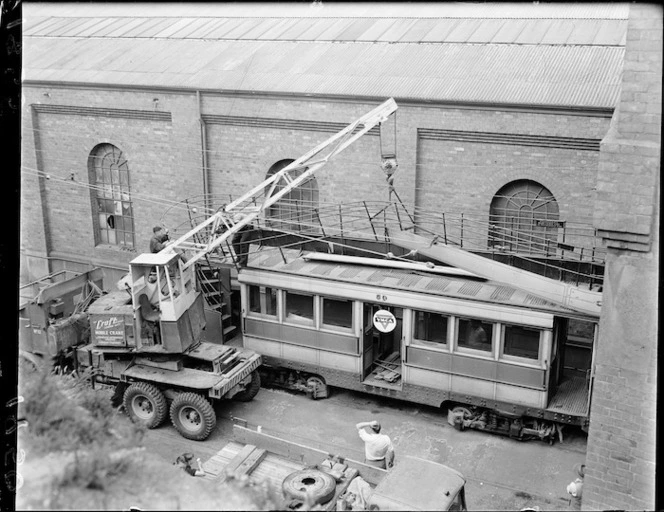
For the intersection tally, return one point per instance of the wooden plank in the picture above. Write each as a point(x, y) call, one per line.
point(250, 463)
point(238, 460)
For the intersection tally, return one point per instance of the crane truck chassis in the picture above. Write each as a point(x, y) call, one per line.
point(145, 341)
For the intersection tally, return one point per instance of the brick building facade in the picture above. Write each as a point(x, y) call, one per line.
point(621, 457)
point(456, 152)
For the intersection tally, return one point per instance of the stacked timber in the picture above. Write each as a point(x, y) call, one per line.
point(389, 369)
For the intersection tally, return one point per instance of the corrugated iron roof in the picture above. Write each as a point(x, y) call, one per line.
point(596, 32)
point(579, 76)
point(563, 55)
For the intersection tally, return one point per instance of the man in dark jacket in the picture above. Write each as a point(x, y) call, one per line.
point(159, 237)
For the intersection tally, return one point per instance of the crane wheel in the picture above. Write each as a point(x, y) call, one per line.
point(319, 486)
point(248, 394)
point(145, 404)
point(193, 416)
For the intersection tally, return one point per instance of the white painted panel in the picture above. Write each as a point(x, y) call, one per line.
point(426, 378)
point(522, 396)
point(471, 386)
point(340, 362)
point(300, 354)
point(264, 347)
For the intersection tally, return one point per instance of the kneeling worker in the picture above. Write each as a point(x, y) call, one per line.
point(378, 449)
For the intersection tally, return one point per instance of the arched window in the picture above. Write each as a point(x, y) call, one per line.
point(296, 210)
point(524, 217)
point(113, 216)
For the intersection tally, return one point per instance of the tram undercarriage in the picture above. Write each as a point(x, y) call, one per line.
point(516, 427)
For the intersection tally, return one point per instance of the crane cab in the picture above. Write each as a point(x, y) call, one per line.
point(167, 309)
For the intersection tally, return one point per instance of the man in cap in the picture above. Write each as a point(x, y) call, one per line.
point(159, 236)
point(378, 449)
point(575, 488)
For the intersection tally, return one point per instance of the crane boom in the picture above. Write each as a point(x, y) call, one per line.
point(222, 225)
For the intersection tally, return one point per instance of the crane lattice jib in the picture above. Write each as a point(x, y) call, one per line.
point(221, 226)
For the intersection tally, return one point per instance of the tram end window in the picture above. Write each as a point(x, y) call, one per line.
point(429, 328)
point(262, 300)
point(521, 341)
point(337, 313)
point(475, 334)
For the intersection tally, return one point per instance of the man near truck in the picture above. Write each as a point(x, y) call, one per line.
point(378, 448)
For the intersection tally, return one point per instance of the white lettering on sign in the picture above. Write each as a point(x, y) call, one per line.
point(114, 321)
point(384, 321)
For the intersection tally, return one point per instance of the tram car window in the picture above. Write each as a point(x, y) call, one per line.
point(430, 328)
point(337, 313)
point(299, 308)
point(475, 334)
point(263, 300)
point(521, 341)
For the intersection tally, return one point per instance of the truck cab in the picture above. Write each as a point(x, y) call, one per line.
point(418, 484)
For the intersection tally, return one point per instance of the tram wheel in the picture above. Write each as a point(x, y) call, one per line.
point(318, 387)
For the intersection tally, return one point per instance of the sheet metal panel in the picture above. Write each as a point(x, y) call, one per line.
point(355, 29)
point(295, 30)
point(377, 29)
point(418, 30)
point(261, 27)
point(440, 31)
point(558, 32)
point(485, 31)
point(274, 31)
point(396, 31)
point(612, 33)
point(31, 24)
point(154, 28)
point(534, 32)
point(45, 25)
point(175, 25)
point(128, 27)
point(241, 27)
point(197, 26)
point(66, 26)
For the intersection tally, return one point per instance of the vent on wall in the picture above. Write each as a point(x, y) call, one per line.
point(72, 110)
point(281, 124)
point(514, 139)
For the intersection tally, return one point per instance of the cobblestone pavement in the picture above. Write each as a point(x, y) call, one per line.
point(501, 473)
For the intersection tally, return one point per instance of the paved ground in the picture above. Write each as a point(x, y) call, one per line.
point(502, 474)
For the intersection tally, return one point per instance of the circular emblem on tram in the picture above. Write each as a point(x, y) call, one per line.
point(384, 321)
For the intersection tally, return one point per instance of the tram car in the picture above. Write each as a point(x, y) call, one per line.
point(490, 355)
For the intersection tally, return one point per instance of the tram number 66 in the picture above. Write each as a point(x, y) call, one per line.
point(381, 297)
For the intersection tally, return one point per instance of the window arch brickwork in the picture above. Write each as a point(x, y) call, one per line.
point(295, 211)
point(112, 208)
point(524, 217)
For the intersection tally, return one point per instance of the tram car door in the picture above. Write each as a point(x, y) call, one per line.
point(382, 327)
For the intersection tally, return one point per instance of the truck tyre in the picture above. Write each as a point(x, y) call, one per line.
point(145, 404)
point(248, 394)
point(319, 486)
point(193, 416)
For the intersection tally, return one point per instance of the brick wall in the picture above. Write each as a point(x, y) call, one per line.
point(165, 157)
point(621, 455)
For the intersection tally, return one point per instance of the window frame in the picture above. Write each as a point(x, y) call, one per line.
point(519, 359)
point(263, 297)
point(487, 354)
point(432, 345)
point(322, 326)
point(113, 194)
point(304, 321)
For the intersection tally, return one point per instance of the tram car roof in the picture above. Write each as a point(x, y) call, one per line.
point(295, 263)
